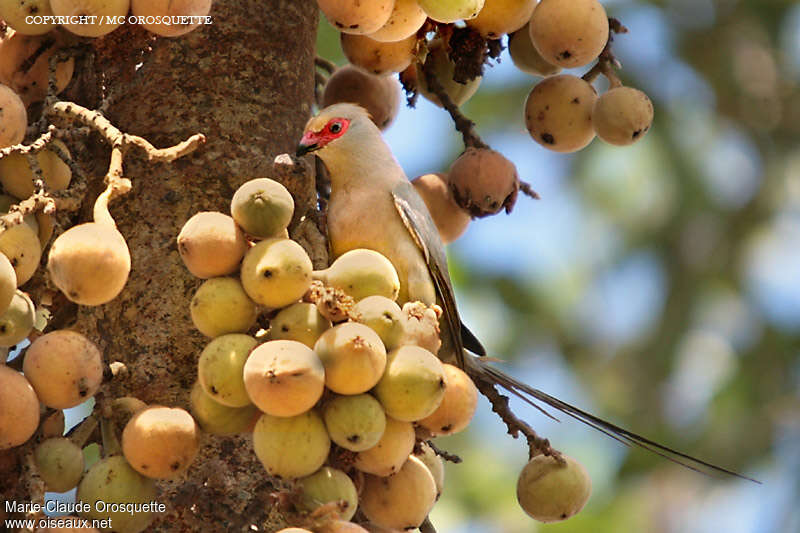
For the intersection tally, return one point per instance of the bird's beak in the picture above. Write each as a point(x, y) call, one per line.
point(307, 144)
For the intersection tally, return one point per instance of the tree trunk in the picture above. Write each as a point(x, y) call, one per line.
point(246, 82)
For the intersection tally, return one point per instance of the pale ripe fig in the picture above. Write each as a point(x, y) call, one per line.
point(558, 113)
point(329, 485)
point(355, 423)
point(262, 207)
point(221, 365)
point(300, 322)
point(483, 182)
point(354, 358)
point(551, 491)
point(161, 9)
point(17, 322)
point(211, 245)
point(294, 530)
point(17, 177)
point(569, 33)
point(25, 64)
point(8, 283)
point(421, 326)
point(526, 57)
point(401, 501)
point(450, 219)
point(622, 116)
point(107, 14)
point(90, 263)
point(355, 16)
point(406, 19)
point(68, 524)
point(13, 117)
point(16, 13)
point(218, 419)
point(161, 442)
point(361, 273)
point(291, 447)
point(391, 451)
point(434, 463)
point(443, 70)
point(458, 405)
point(19, 416)
point(379, 95)
point(64, 367)
point(376, 57)
point(113, 480)
point(60, 463)
point(20, 244)
point(499, 17)
point(221, 306)
point(413, 385)
point(383, 316)
point(284, 378)
point(276, 272)
point(451, 10)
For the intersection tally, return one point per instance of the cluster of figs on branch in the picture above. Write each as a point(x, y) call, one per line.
point(440, 49)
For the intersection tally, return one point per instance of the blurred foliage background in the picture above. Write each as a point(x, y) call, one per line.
point(656, 285)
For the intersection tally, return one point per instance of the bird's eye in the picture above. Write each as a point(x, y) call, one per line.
point(336, 127)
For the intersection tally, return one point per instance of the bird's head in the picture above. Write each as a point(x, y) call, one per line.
point(332, 126)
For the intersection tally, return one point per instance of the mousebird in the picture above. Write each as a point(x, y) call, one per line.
point(373, 205)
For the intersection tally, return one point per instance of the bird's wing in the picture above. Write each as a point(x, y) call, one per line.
point(420, 225)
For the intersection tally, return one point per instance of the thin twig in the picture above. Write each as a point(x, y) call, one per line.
point(536, 444)
point(464, 125)
point(447, 456)
point(325, 64)
point(527, 190)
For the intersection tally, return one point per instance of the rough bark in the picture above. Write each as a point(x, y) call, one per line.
point(246, 82)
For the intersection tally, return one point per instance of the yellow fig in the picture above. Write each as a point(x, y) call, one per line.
point(221, 366)
point(64, 367)
point(20, 244)
point(221, 306)
point(8, 283)
point(13, 117)
point(218, 419)
point(384, 317)
point(291, 447)
point(262, 207)
point(90, 263)
point(550, 490)
point(434, 463)
point(19, 416)
point(329, 485)
point(391, 451)
point(17, 322)
point(276, 272)
point(16, 13)
point(401, 501)
point(60, 463)
point(458, 404)
point(160, 442)
point(413, 385)
point(211, 245)
point(355, 423)
point(353, 356)
point(284, 378)
point(300, 322)
point(17, 177)
point(361, 273)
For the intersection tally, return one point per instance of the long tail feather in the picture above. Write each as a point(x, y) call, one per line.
point(530, 395)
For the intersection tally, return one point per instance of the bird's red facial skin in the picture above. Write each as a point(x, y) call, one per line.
point(334, 129)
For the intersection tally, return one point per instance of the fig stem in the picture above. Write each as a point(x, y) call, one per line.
point(464, 125)
point(111, 444)
point(81, 433)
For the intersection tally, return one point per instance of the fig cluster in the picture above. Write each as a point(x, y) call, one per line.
point(337, 403)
